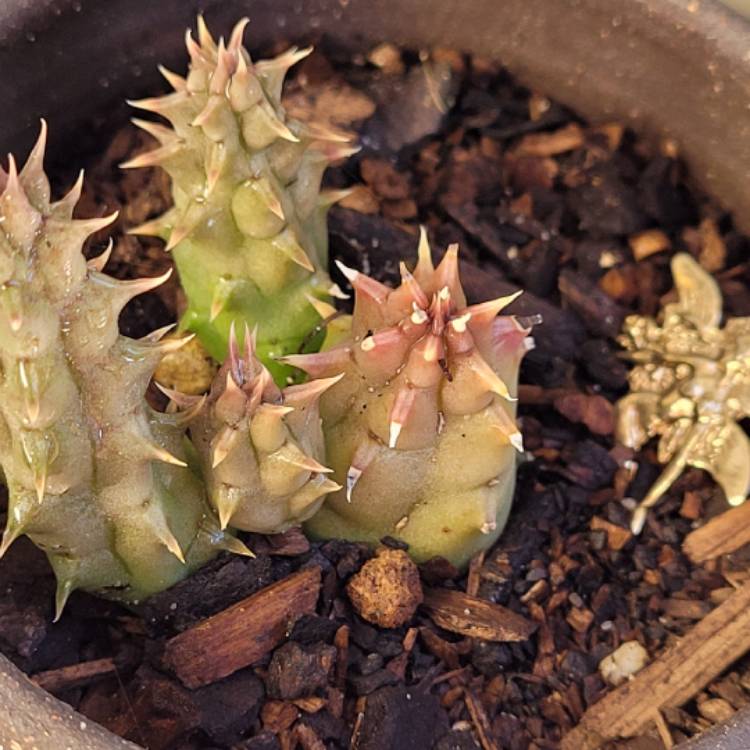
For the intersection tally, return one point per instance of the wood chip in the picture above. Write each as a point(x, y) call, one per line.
point(481, 722)
point(720, 536)
point(477, 618)
point(617, 536)
point(549, 144)
point(308, 738)
point(244, 633)
point(722, 637)
point(688, 609)
point(75, 675)
point(596, 412)
point(648, 242)
point(278, 715)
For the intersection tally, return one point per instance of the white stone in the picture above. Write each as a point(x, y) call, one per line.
point(623, 663)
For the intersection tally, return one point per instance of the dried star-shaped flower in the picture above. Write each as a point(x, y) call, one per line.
point(690, 386)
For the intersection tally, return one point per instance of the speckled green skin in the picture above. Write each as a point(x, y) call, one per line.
point(95, 476)
point(247, 229)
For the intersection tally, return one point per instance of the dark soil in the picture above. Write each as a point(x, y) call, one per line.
point(538, 199)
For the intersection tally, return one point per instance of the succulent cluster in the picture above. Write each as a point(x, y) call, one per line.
point(411, 402)
point(95, 477)
point(247, 230)
point(420, 431)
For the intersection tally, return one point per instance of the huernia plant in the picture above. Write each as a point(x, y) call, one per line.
point(421, 431)
point(96, 478)
point(247, 230)
point(261, 447)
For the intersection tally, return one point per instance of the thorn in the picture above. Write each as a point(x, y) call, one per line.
point(193, 48)
point(223, 447)
point(232, 544)
point(335, 291)
point(234, 355)
point(328, 485)
point(40, 483)
point(321, 363)
point(288, 244)
point(155, 452)
point(364, 284)
point(459, 324)
point(306, 393)
point(278, 127)
point(9, 536)
point(400, 410)
point(352, 477)
point(160, 104)
point(177, 82)
point(251, 343)
point(323, 308)
point(167, 538)
point(32, 175)
point(284, 61)
point(101, 260)
point(238, 32)
point(64, 589)
point(158, 334)
point(308, 463)
point(485, 312)
point(155, 158)
point(516, 440)
point(92, 226)
point(182, 400)
point(318, 132)
point(492, 381)
point(415, 290)
point(204, 35)
point(225, 505)
point(177, 235)
point(69, 201)
point(329, 198)
point(447, 275)
point(424, 269)
point(135, 287)
point(393, 434)
point(162, 133)
point(276, 410)
point(154, 228)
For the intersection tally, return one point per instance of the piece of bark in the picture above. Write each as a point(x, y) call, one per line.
point(481, 722)
point(477, 618)
point(722, 637)
point(75, 675)
point(244, 633)
point(720, 536)
point(598, 311)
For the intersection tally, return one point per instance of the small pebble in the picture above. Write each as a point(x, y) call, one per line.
point(623, 663)
point(387, 589)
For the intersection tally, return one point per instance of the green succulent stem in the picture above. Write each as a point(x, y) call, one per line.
point(248, 226)
point(96, 478)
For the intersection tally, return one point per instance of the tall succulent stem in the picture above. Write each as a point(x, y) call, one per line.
point(96, 478)
point(247, 230)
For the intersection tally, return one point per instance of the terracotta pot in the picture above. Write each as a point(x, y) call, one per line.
point(676, 68)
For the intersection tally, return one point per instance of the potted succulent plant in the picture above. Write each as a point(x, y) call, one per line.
point(650, 49)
